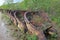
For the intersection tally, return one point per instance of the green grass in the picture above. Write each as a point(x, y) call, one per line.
point(50, 6)
point(31, 37)
point(6, 19)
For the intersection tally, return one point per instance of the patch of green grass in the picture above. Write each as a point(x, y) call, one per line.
point(31, 37)
point(56, 20)
point(6, 19)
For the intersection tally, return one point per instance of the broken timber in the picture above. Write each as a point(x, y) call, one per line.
point(25, 23)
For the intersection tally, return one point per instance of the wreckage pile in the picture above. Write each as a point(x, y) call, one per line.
point(37, 23)
point(40, 24)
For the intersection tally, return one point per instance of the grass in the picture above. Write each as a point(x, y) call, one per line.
point(55, 19)
point(6, 19)
point(50, 6)
point(31, 37)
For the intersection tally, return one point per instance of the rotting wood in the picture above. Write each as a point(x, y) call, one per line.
point(21, 24)
point(12, 17)
point(51, 28)
point(33, 30)
point(30, 27)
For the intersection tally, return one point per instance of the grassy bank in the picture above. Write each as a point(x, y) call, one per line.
point(52, 7)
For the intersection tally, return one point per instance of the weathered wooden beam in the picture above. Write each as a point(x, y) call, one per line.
point(33, 30)
point(21, 24)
